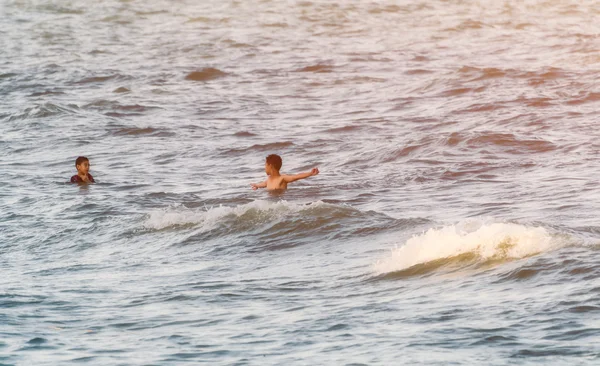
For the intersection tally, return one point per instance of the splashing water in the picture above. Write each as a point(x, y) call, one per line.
point(486, 241)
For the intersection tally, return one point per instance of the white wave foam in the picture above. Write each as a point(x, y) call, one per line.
point(208, 218)
point(485, 240)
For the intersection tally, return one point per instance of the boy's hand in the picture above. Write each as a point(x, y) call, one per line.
point(254, 186)
point(314, 171)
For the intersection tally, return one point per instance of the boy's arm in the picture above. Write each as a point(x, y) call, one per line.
point(256, 186)
point(295, 177)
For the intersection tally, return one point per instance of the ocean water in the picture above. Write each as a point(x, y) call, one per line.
point(455, 220)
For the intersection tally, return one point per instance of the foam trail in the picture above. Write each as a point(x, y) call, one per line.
point(485, 241)
point(210, 217)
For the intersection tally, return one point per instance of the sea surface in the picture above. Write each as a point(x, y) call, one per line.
point(455, 221)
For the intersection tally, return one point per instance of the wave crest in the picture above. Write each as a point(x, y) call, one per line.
point(212, 216)
point(473, 240)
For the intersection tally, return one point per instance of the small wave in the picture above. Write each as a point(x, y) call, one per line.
point(470, 241)
point(274, 146)
point(121, 89)
point(134, 131)
point(349, 128)
point(458, 91)
point(417, 72)
point(268, 225)
point(208, 20)
point(513, 143)
point(43, 111)
point(318, 68)
point(210, 217)
point(479, 74)
point(7, 75)
point(275, 25)
point(244, 134)
point(587, 97)
point(117, 109)
point(205, 74)
point(47, 92)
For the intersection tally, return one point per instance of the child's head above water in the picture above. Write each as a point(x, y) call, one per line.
point(273, 164)
point(82, 164)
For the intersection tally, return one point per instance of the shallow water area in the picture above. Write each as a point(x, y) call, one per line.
point(454, 220)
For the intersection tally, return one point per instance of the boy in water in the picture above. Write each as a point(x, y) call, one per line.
point(82, 164)
point(276, 180)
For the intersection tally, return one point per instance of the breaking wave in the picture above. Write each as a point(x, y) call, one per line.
point(470, 241)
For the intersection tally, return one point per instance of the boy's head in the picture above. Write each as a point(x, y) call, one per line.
point(82, 164)
point(273, 164)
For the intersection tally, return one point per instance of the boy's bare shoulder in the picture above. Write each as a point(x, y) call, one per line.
point(276, 182)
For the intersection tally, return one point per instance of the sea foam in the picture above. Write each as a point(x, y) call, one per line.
point(210, 217)
point(483, 240)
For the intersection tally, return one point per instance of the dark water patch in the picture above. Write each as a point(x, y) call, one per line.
point(151, 12)
point(37, 340)
point(441, 317)
point(274, 147)
point(121, 90)
point(317, 68)
point(349, 128)
point(497, 340)
point(100, 52)
point(480, 74)
point(418, 72)
point(47, 92)
point(548, 351)
point(244, 134)
point(422, 269)
point(379, 9)
point(206, 74)
point(584, 309)
point(207, 20)
point(117, 19)
point(520, 274)
point(7, 75)
point(535, 102)
point(468, 24)
point(14, 300)
point(83, 359)
point(149, 131)
point(275, 25)
point(459, 91)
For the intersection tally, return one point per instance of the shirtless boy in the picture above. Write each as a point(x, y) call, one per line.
point(277, 180)
point(82, 164)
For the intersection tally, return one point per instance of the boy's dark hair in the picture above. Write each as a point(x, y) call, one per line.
point(275, 161)
point(80, 160)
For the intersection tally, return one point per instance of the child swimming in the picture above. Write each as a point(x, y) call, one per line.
point(82, 164)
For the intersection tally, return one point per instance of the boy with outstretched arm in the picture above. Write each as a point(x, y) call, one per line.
point(277, 180)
